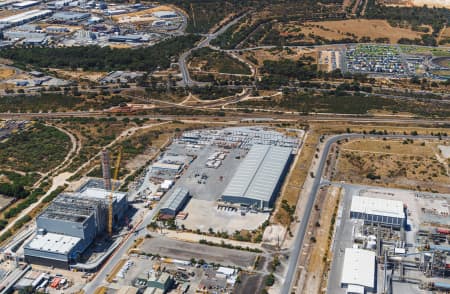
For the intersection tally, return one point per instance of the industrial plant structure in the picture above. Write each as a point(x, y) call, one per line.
point(70, 224)
point(358, 273)
point(259, 177)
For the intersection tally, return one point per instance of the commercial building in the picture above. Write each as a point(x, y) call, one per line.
point(70, 16)
point(358, 272)
point(25, 4)
point(70, 224)
point(24, 17)
point(259, 177)
point(128, 38)
point(378, 211)
point(176, 201)
point(7, 3)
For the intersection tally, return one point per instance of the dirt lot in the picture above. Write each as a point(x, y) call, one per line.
point(360, 27)
point(445, 33)
point(185, 251)
point(394, 163)
point(142, 16)
point(79, 75)
point(5, 201)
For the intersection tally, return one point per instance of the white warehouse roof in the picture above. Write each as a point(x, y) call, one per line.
point(25, 16)
point(259, 173)
point(101, 194)
point(359, 268)
point(55, 243)
point(165, 14)
point(377, 206)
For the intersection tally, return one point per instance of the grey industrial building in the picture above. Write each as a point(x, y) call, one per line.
point(258, 178)
point(176, 201)
point(69, 225)
point(378, 211)
point(128, 38)
point(70, 16)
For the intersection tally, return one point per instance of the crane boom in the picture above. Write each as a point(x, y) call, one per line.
point(110, 208)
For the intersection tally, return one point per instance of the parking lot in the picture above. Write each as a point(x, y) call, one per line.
point(223, 219)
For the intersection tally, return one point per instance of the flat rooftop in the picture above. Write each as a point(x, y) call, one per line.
point(99, 193)
point(176, 198)
point(259, 173)
point(378, 206)
point(359, 268)
point(69, 208)
point(54, 243)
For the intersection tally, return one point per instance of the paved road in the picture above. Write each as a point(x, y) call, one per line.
point(204, 43)
point(301, 231)
point(121, 251)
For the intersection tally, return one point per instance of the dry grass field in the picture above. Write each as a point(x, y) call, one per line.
point(6, 73)
point(277, 54)
point(296, 178)
point(319, 254)
point(396, 163)
point(340, 29)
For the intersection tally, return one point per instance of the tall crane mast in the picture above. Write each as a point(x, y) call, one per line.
point(110, 208)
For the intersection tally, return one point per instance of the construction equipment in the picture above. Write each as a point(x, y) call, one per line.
point(110, 208)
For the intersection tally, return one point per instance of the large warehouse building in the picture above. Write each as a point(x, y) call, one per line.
point(69, 225)
point(358, 272)
point(259, 177)
point(378, 211)
point(24, 17)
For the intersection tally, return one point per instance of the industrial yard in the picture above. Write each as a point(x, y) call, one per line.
point(401, 235)
point(198, 176)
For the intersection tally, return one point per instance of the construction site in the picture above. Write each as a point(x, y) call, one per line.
point(77, 231)
point(391, 241)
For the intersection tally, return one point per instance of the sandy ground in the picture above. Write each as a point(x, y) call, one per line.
point(445, 150)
